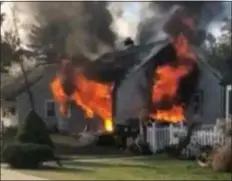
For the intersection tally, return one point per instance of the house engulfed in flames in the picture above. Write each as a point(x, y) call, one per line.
point(159, 77)
point(153, 84)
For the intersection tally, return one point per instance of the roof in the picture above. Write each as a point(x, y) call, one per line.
point(11, 86)
point(202, 61)
point(110, 66)
point(122, 60)
point(227, 79)
point(223, 73)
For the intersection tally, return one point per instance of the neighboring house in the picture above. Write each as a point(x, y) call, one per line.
point(45, 105)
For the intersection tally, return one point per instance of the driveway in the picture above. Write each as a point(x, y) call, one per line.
point(8, 174)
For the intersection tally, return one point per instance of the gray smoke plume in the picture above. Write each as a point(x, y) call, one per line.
point(75, 28)
point(158, 13)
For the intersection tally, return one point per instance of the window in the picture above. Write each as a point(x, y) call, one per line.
point(4, 112)
point(12, 110)
point(197, 102)
point(50, 108)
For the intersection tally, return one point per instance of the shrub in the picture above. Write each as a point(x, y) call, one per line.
point(27, 155)
point(34, 130)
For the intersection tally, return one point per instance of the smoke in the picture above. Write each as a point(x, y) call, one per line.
point(81, 27)
point(209, 17)
point(93, 28)
point(71, 27)
point(126, 17)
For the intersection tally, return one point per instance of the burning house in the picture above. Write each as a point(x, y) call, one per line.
point(169, 80)
point(160, 77)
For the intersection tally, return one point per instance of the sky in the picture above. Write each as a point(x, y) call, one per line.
point(125, 26)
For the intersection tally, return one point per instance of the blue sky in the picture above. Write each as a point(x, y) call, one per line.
point(132, 10)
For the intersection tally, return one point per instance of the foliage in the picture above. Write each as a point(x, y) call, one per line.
point(32, 145)
point(34, 130)
point(220, 50)
point(48, 39)
point(9, 45)
point(1, 16)
point(27, 155)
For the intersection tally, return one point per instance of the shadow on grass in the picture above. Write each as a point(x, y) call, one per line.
point(58, 169)
point(95, 164)
point(65, 157)
point(64, 169)
point(158, 158)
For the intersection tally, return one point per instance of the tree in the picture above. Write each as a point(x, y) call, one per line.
point(12, 51)
point(6, 50)
point(2, 15)
point(32, 146)
point(220, 50)
point(34, 130)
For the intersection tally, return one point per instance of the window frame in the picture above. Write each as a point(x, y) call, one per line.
point(199, 93)
point(52, 101)
point(46, 108)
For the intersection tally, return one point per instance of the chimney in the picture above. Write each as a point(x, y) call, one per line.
point(128, 42)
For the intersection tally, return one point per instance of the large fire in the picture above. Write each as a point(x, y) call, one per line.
point(166, 82)
point(95, 98)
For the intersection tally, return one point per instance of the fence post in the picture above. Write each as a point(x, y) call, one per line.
point(170, 134)
point(154, 141)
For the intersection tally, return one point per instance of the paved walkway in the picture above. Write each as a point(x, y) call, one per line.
point(8, 174)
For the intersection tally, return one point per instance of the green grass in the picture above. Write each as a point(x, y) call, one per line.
point(128, 168)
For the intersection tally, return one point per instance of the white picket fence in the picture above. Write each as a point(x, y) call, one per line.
point(159, 137)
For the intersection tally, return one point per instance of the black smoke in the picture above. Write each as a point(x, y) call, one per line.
point(167, 20)
point(72, 28)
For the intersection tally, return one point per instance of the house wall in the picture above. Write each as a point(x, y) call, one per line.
point(212, 105)
point(41, 93)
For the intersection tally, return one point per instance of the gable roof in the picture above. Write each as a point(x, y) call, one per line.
point(223, 73)
point(202, 56)
point(11, 87)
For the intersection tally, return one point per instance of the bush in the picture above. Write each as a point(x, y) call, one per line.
point(27, 155)
point(34, 130)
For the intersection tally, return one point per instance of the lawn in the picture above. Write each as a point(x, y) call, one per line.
point(128, 168)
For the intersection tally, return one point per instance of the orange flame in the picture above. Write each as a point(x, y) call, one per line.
point(166, 82)
point(95, 98)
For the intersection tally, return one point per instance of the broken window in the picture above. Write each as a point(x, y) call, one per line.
point(50, 108)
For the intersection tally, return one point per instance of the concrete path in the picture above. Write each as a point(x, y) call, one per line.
point(8, 174)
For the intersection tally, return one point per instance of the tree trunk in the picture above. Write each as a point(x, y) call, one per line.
point(30, 96)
